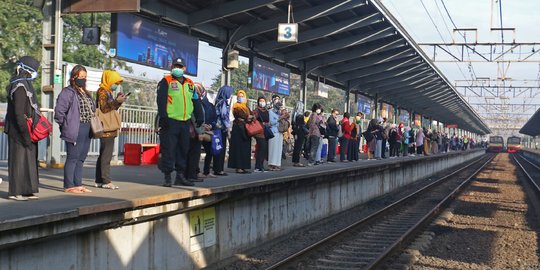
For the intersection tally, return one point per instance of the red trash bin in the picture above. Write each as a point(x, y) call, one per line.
point(132, 154)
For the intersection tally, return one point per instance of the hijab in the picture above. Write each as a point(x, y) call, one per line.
point(242, 105)
point(222, 104)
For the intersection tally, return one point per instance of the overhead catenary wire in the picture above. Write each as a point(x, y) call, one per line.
point(440, 35)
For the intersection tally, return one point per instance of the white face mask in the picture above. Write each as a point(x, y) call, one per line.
point(318, 111)
point(262, 104)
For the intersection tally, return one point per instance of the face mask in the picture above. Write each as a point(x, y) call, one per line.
point(114, 87)
point(241, 99)
point(262, 104)
point(318, 111)
point(32, 72)
point(177, 72)
point(277, 104)
point(80, 83)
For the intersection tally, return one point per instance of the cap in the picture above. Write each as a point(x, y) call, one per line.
point(29, 61)
point(178, 62)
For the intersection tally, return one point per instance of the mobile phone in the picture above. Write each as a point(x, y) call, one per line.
point(129, 93)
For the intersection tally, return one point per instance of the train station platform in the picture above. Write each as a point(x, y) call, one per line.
point(144, 225)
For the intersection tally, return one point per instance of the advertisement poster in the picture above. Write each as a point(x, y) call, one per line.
point(404, 117)
point(364, 104)
point(148, 43)
point(417, 120)
point(270, 77)
point(384, 110)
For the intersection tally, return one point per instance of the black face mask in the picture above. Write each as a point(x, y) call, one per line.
point(80, 83)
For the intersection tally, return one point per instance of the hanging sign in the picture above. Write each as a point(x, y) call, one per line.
point(288, 32)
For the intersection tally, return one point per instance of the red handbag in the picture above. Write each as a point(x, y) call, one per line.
point(41, 131)
point(254, 128)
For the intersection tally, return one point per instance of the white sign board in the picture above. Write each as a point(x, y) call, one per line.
point(202, 231)
point(287, 32)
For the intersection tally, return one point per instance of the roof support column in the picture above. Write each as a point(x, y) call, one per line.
point(376, 110)
point(303, 83)
point(347, 97)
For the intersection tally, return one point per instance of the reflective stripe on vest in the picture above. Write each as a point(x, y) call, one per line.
point(179, 99)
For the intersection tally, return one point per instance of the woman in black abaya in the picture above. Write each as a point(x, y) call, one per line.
point(22, 159)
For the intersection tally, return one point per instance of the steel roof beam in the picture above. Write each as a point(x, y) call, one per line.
point(367, 62)
point(226, 9)
point(361, 51)
point(423, 88)
point(326, 9)
point(404, 80)
point(335, 45)
point(380, 68)
point(324, 31)
point(384, 76)
point(161, 10)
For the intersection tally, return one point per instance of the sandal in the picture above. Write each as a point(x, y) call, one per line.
point(109, 186)
point(84, 189)
point(73, 190)
point(298, 165)
point(221, 173)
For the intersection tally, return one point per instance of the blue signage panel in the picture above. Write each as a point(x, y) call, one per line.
point(270, 77)
point(148, 43)
point(364, 105)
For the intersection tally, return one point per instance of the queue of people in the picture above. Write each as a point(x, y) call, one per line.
point(188, 122)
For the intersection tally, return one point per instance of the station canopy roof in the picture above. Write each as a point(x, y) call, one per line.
point(532, 127)
point(350, 44)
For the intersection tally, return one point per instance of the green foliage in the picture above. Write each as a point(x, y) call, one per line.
point(20, 35)
point(89, 55)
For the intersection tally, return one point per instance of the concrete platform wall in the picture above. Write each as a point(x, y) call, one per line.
point(249, 217)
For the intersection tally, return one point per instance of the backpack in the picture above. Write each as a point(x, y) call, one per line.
point(283, 125)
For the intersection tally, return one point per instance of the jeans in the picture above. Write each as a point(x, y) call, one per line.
point(76, 154)
point(378, 149)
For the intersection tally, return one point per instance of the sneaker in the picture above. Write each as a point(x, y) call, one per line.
point(258, 171)
point(18, 198)
point(310, 164)
point(32, 196)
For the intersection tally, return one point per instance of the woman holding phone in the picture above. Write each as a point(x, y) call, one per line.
point(107, 102)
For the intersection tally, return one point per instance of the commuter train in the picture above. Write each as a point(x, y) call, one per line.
point(513, 144)
point(496, 144)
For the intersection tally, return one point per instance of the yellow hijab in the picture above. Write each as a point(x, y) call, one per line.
point(109, 78)
point(241, 105)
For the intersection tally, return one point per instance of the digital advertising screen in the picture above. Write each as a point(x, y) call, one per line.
point(404, 117)
point(270, 77)
point(145, 42)
point(364, 104)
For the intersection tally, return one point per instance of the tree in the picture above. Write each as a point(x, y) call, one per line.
point(89, 55)
point(20, 35)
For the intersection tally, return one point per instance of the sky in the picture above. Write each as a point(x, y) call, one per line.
point(414, 16)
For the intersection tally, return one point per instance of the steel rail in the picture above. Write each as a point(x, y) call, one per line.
point(531, 180)
point(370, 218)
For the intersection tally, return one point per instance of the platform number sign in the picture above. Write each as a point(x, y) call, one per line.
point(91, 35)
point(288, 32)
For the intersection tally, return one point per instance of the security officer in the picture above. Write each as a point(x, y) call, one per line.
point(175, 102)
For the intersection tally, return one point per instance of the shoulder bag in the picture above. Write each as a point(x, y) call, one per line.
point(111, 120)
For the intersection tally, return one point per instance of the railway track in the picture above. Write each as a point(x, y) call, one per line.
point(367, 243)
point(531, 171)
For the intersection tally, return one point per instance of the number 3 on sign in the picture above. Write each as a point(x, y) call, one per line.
point(288, 32)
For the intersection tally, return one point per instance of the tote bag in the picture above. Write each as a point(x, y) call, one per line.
point(217, 143)
point(111, 120)
point(96, 126)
